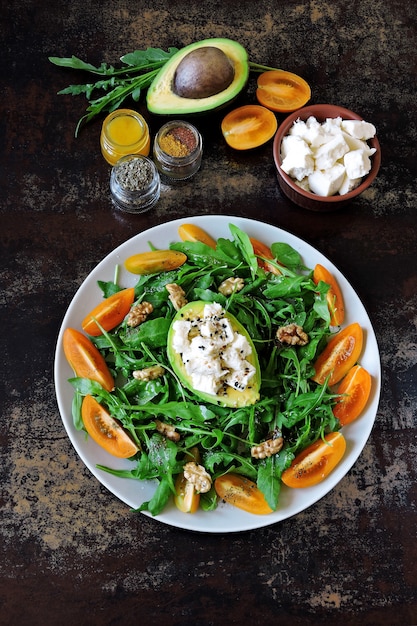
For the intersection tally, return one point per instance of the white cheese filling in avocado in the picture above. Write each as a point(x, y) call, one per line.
point(213, 354)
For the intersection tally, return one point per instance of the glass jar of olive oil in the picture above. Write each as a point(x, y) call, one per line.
point(124, 131)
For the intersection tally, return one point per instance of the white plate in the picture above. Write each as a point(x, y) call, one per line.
point(225, 518)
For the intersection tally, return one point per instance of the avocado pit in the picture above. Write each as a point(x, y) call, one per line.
point(202, 73)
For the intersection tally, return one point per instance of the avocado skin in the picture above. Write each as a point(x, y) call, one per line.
point(233, 398)
point(162, 100)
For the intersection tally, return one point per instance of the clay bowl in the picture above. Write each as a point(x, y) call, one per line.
point(307, 199)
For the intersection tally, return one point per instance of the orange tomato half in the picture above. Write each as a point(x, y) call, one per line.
point(85, 359)
point(191, 232)
point(316, 462)
point(340, 354)
point(248, 127)
point(282, 91)
point(109, 313)
point(105, 430)
point(262, 250)
point(242, 493)
point(355, 389)
point(334, 295)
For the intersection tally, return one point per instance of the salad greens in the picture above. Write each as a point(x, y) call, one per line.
point(290, 404)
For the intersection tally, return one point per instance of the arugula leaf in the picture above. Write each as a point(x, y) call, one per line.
point(141, 58)
point(244, 244)
point(139, 69)
point(269, 480)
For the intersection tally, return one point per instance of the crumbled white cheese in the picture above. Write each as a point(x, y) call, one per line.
point(213, 354)
point(359, 129)
point(348, 184)
point(299, 161)
point(357, 163)
point(327, 182)
point(330, 157)
point(328, 153)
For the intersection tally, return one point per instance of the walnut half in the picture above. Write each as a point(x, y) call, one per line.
point(291, 335)
point(197, 476)
point(139, 313)
point(176, 295)
point(167, 430)
point(149, 373)
point(267, 448)
point(228, 286)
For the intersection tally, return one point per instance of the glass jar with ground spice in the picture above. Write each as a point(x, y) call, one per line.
point(124, 131)
point(134, 184)
point(177, 150)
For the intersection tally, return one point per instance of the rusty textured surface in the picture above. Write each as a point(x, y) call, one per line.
point(70, 551)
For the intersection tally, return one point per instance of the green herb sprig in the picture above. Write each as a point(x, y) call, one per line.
point(139, 69)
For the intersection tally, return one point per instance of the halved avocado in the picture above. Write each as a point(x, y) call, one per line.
point(226, 396)
point(200, 77)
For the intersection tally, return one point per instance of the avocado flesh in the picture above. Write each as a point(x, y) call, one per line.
point(161, 98)
point(227, 396)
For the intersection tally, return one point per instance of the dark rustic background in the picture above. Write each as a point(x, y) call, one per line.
point(70, 551)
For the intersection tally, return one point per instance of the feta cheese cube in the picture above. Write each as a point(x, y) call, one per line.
point(332, 125)
point(180, 342)
point(327, 182)
point(348, 184)
point(239, 379)
point(358, 144)
point(293, 142)
point(359, 129)
point(327, 154)
point(299, 129)
point(299, 161)
point(357, 163)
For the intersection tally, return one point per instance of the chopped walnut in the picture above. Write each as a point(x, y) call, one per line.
point(292, 335)
point(149, 373)
point(267, 448)
point(139, 313)
point(230, 285)
point(167, 430)
point(176, 295)
point(198, 476)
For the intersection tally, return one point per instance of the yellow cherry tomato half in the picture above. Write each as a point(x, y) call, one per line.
point(355, 390)
point(340, 354)
point(191, 232)
point(313, 464)
point(109, 313)
point(242, 493)
point(282, 91)
point(186, 498)
point(334, 296)
point(155, 261)
point(249, 127)
point(105, 430)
